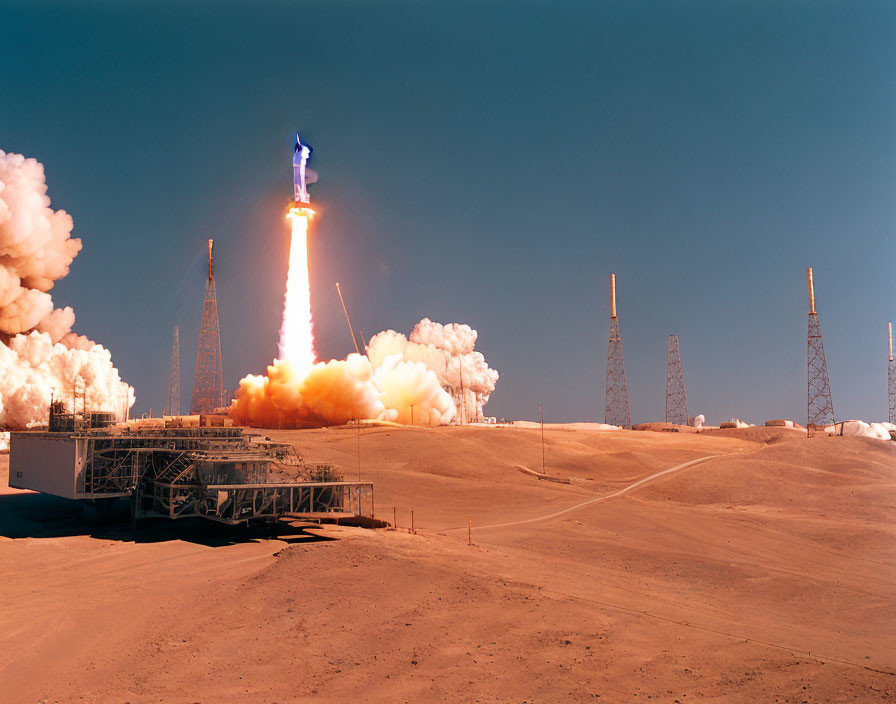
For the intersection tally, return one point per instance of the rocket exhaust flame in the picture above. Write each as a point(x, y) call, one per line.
point(296, 332)
point(399, 379)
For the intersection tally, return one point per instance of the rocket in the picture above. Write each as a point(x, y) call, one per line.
point(302, 176)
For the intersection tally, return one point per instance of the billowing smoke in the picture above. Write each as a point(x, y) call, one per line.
point(40, 356)
point(878, 431)
point(449, 351)
point(403, 380)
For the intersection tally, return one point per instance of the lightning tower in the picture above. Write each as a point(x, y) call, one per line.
point(208, 378)
point(891, 375)
point(172, 402)
point(676, 398)
point(617, 410)
point(820, 405)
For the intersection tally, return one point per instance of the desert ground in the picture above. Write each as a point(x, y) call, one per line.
point(760, 568)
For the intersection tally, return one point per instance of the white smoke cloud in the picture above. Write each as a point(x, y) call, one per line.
point(35, 368)
point(39, 354)
point(403, 380)
point(449, 351)
point(36, 248)
point(878, 431)
point(338, 391)
point(411, 393)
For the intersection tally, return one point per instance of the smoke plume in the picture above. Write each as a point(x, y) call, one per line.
point(403, 380)
point(40, 356)
point(449, 351)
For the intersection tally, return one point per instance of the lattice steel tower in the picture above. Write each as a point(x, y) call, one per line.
point(891, 375)
point(172, 401)
point(208, 378)
point(676, 398)
point(820, 405)
point(617, 410)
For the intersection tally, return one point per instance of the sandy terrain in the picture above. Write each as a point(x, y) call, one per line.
point(764, 573)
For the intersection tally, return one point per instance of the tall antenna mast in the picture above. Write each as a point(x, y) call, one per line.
point(172, 402)
point(891, 375)
point(617, 408)
point(676, 398)
point(820, 405)
point(208, 377)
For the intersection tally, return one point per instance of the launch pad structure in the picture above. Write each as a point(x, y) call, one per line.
point(218, 473)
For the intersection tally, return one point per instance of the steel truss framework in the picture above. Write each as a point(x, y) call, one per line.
point(891, 388)
point(208, 377)
point(172, 401)
point(820, 404)
point(617, 408)
point(172, 474)
point(676, 398)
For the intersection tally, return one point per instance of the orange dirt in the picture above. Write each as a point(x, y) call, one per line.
point(765, 574)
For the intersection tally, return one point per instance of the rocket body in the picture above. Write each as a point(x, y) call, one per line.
point(302, 176)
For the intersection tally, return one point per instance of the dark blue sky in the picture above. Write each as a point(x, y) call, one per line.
point(488, 163)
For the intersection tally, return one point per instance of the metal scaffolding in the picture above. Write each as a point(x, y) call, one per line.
point(617, 408)
point(676, 398)
point(214, 473)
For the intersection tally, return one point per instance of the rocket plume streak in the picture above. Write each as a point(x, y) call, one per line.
point(296, 332)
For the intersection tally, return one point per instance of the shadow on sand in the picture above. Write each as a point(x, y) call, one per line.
point(44, 516)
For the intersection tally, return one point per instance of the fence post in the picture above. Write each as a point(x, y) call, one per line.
point(394, 518)
point(412, 523)
point(469, 530)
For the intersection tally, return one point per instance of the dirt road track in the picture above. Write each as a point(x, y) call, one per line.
point(598, 499)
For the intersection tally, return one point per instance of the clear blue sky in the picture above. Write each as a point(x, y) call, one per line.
point(481, 162)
